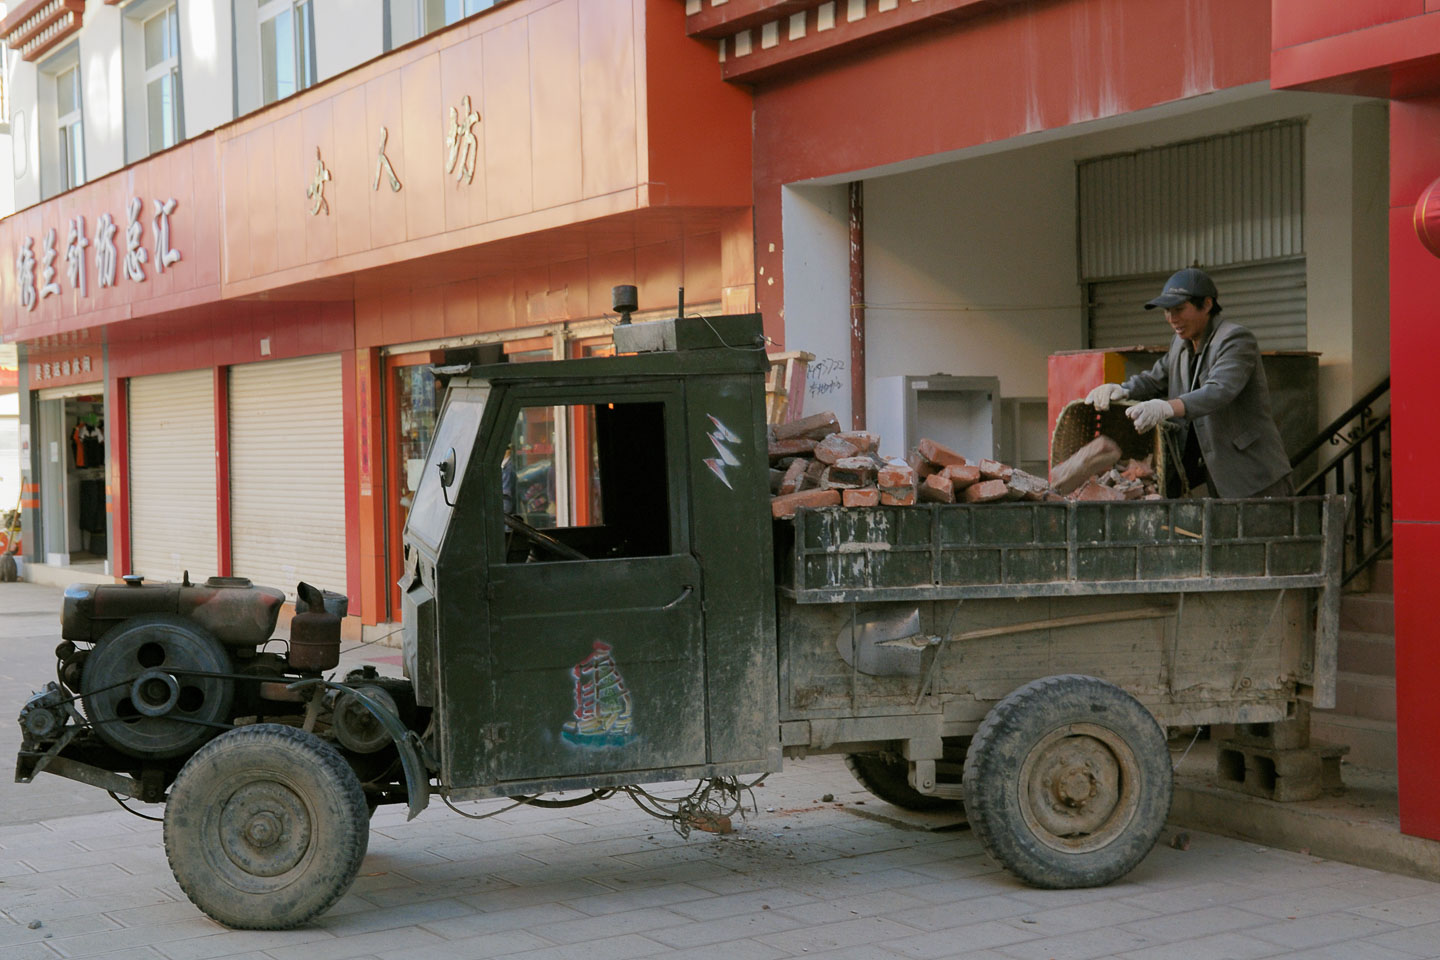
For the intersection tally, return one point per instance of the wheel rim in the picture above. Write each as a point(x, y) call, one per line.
point(1079, 787)
point(261, 830)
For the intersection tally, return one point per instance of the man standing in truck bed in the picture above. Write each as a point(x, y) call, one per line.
point(1211, 379)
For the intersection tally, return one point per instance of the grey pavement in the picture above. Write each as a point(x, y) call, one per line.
point(848, 879)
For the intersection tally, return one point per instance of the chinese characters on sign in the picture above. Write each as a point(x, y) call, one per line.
point(136, 255)
point(383, 165)
point(316, 190)
point(461, 142)
point(76, 358)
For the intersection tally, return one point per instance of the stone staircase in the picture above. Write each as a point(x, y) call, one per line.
point(1364, 714)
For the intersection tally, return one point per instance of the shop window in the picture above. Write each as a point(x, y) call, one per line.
point(602, 491)
point(69, 122)
point(435, 14)
point(161, 34)
point(287, 48)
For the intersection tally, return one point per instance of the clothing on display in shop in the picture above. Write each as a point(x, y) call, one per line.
point(88, 444)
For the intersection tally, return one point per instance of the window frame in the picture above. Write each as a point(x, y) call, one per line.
point(169, 66)
point(302, 45)
point(70, 130)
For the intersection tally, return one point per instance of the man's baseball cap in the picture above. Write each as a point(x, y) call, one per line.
point(1185, 285)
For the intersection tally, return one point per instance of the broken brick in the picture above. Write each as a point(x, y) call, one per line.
point(897, 496)
point(794, 477)
point(963, 475)
point(864, 497)
point(937, 488)
point(832, 448)
point(1095, 457)
point(782, 507)
point(815, 427)
point(986, 491)
point(799, 446)
point(922, 467)
point(862, 441)
point(896, 473)
point(939, 454)
point(1138, 470)
point(1026, 486)
point(1093, 489)
point(854, 471)
point(995, 470)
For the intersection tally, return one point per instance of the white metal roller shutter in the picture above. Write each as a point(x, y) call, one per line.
point(1268, 298)
point(287, 473)
point(172, 475)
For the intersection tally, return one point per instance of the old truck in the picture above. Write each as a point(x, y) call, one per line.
point(595, 598)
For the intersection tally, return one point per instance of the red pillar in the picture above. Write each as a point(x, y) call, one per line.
point(1415, 458)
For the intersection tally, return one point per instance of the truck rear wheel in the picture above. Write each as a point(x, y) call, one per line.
point(265, 827)
point(1068, 782)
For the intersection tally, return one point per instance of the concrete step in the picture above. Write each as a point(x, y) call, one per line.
point(1371, 742)
point(1365, 696)
point(1382, 576)
point(1369, 653)
point(1370, 612)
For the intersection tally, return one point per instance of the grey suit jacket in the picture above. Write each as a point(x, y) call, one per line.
point(1228, 402)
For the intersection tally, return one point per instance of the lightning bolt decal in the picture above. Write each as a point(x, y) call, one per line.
point(720, 438)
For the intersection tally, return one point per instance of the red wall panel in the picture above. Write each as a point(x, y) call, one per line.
point(1414, 345)
point(1417, 664)
point(1300, 21)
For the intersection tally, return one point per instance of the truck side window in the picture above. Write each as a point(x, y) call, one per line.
point(592, 476)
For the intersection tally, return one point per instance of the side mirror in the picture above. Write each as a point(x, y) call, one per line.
point(447, 474)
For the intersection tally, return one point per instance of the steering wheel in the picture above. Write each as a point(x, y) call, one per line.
point(542, 540)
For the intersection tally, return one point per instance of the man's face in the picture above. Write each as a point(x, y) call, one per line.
point(1188, 320)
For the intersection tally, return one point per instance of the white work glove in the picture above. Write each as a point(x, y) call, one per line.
point(1100, 397)
point(1149, 414)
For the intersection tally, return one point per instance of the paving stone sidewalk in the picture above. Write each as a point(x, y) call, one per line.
point(847, 879)
point(851, 879)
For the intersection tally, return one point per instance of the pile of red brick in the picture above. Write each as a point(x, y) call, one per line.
point(816, 464)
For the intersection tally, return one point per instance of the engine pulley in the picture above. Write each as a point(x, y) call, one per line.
point(139, 691)
point(356, 727)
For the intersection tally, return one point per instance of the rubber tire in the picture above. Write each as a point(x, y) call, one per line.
point(887, 777)
point(297, 781)
point(994, 793)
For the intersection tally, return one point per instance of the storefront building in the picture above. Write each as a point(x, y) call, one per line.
point(225, 345)
point(968, 187)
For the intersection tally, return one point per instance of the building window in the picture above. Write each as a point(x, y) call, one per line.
point(287, 48)
point(162, 78)
point(72, 140)
point(441, 13)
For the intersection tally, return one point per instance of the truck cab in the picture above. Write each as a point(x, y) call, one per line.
point(588, 594)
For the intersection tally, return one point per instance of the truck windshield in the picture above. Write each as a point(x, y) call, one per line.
point(456, 431)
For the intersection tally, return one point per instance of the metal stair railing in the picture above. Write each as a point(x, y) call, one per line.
point(1360, 471)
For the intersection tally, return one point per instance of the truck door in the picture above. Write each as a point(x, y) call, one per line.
point(596, 633)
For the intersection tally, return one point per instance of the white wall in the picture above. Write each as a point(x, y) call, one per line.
point(816, 258)
point(970, 269)
point(206, 64)
point(102, 80)
point(347, 33)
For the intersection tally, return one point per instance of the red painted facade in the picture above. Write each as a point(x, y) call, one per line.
point(1391, 48)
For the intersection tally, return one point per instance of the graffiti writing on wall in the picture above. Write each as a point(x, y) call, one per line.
point(825, 376)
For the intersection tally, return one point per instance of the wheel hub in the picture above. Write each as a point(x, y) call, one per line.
point(265, 829)
point(1078, 787)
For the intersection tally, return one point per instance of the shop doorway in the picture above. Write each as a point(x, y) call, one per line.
point(72, 477)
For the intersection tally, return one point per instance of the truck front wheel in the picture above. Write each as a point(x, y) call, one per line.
point(1068, 782)
point(265, 827)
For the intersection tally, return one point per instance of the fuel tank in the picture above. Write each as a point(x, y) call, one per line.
point(234, 611)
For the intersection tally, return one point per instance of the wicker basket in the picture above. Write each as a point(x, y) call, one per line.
point(1079, 423)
